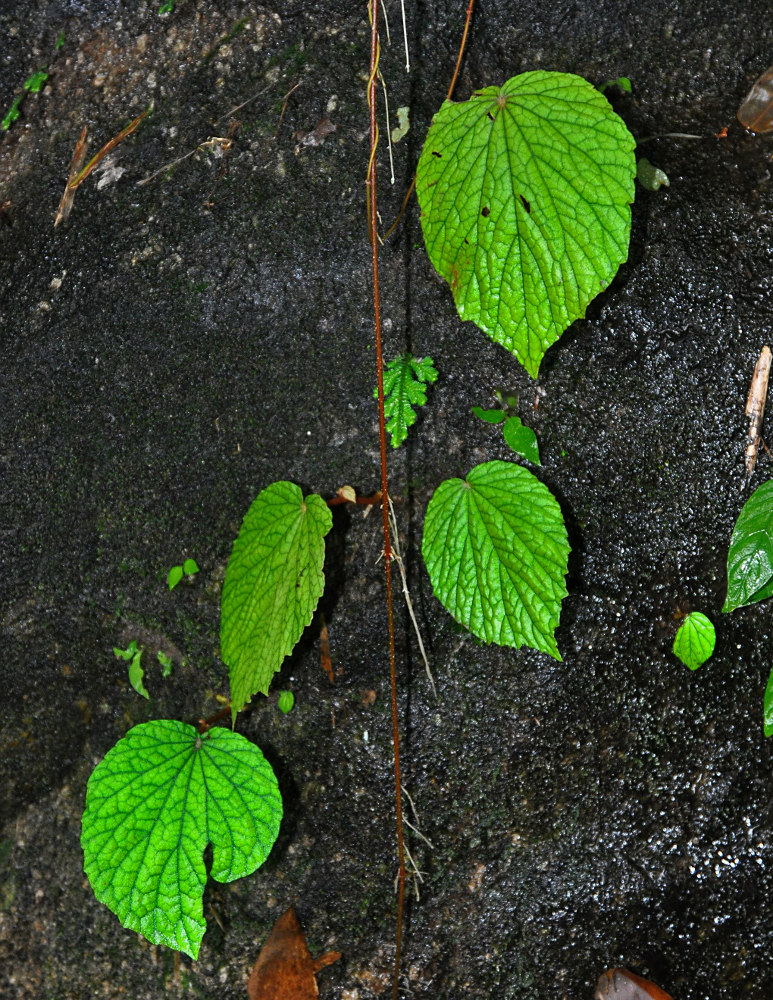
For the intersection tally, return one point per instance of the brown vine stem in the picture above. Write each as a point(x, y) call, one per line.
point(373, 233)
point(462, 45)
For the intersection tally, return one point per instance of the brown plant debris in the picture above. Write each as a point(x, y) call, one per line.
point(620, 984)
point(285, 969)
point(755, 407)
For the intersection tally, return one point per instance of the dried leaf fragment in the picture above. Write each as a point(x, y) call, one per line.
point(620, 984)
point(285, 969)
point(756, 112)
point(755, 407)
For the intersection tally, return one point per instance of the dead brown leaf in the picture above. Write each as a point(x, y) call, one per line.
point(756, 112)
point(285, 969)
point(620, 984)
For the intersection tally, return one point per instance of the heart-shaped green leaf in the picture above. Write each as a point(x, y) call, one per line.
point(496, 551)
point(272, 585)
point(154, 803)
point(525, 194)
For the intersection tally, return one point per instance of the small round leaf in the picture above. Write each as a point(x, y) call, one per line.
point(694, 642)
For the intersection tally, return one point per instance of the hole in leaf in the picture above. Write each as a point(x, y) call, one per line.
point(525, 203)
point(485, 211)
point(438, 155)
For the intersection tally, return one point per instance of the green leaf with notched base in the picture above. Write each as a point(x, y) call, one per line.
point(405, 382)
point(496, 550)
point(694, 642)
point(154, 803)
point(272, 585)
point(525, 195)
point(750, 557)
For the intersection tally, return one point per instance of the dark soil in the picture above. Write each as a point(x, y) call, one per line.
point(174, 347)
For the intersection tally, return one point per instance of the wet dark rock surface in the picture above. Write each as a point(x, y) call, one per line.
point(174, 347)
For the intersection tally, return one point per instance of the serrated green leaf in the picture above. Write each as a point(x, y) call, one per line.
point(489, 416)
point(174, 576)
point(521, 439)
point(272, 585)
point(136, 673)
point(525, 195)
point(694, 642)
point(767, 707)
point(405, 381)
point(496, 550)
point(750, 556)
point(154, 803)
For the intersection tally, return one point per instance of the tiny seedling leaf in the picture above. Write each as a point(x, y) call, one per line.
point(285, 702)
point(272, 585)
point(174, 576)
point(521, 439)
point(525, 195)
point(489, 416)
point(750, 557)
point(12, 114)
point(694, 642)
point(651, 177)
point(154, 803)
point(496, 550)
point(190, 567)
point(623, 82)
point(35, 82)
point(166, 663)
point(128, 653)
point(405, 382)
point(767, 707)
point(136, 673)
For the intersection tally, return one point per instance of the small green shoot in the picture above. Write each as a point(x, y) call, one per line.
point(651, 177)
point(285, 702)
point(166, 663)
point(621, 81)
point(32, 85)
point(133, 656)
point(12, 114)
point(189, 568)
point(35, 82)
point(695, 640)
point(405, 385)
point(767, 707)
point(517, 436)
point(167, 7)
point(59, 41)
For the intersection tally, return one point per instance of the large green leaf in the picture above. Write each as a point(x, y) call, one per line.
point(525, 195)
point(694, 642)
point(154, 803)
point(496, 550)
point(272, 585)
point(750, 557)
